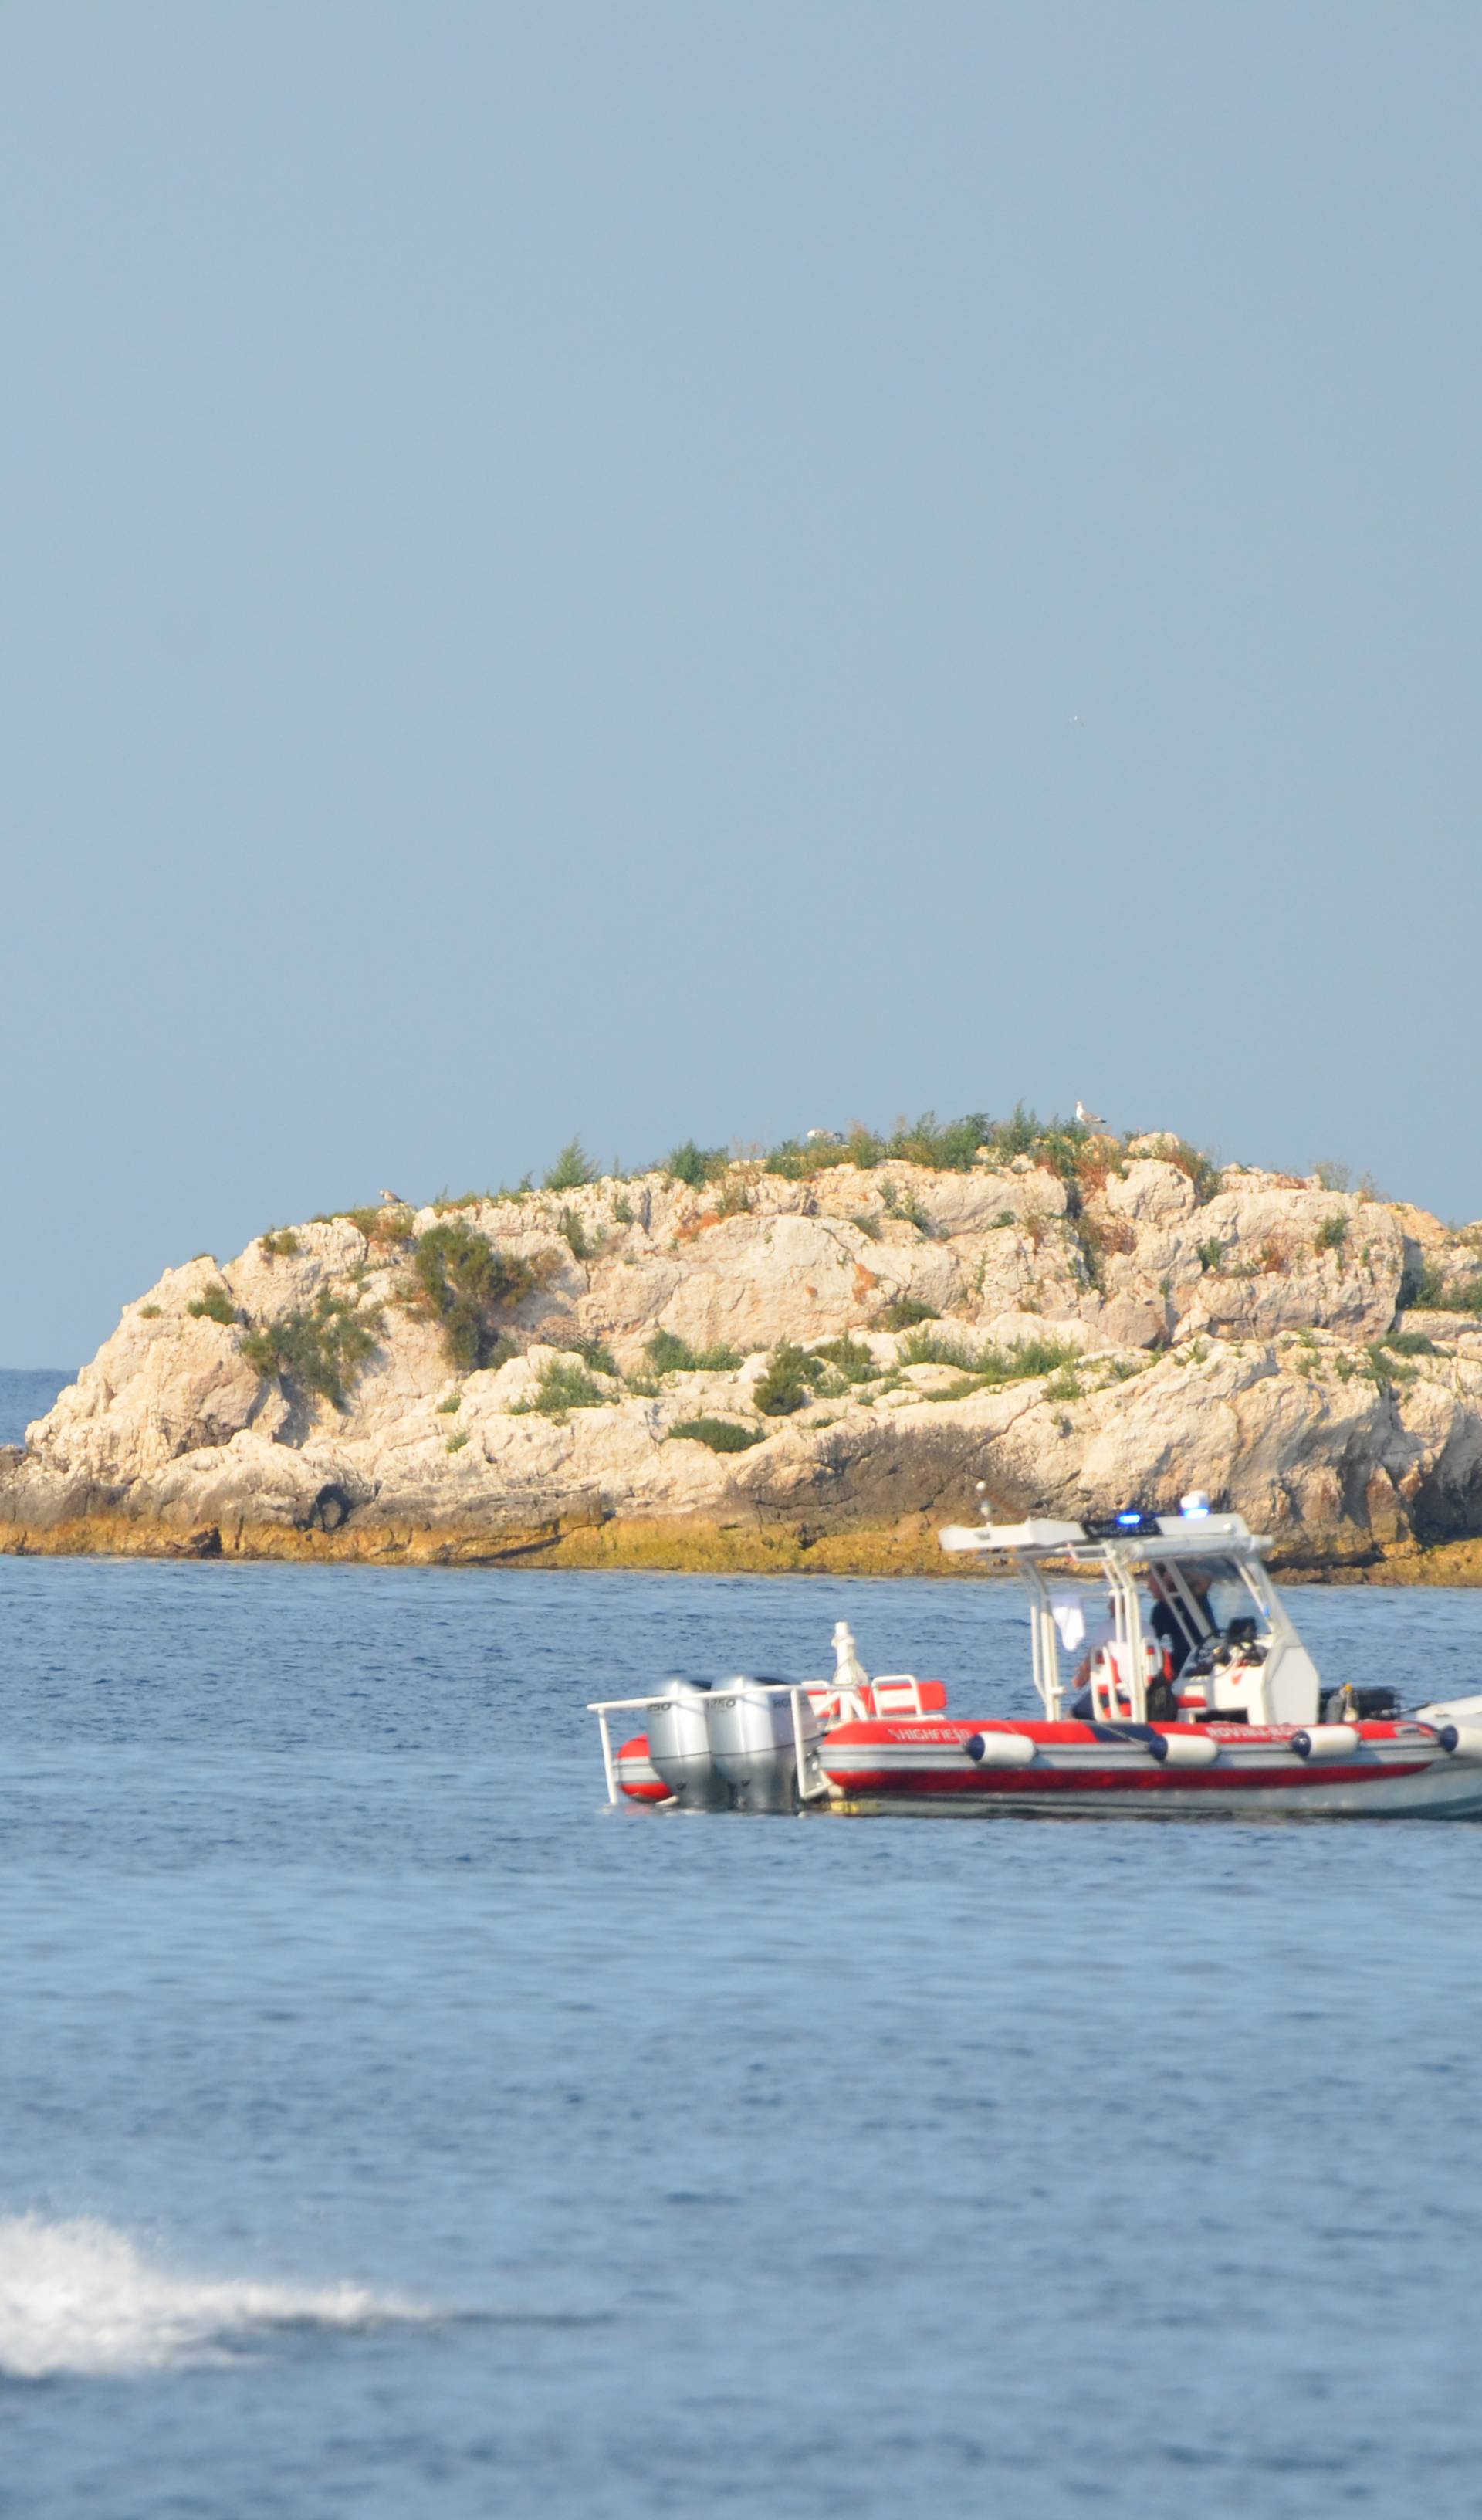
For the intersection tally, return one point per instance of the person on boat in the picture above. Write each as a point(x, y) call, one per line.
point(1170, 1622)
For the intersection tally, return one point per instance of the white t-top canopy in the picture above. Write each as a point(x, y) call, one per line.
point(1134, 1538)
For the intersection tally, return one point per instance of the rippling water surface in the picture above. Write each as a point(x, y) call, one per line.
point(389, 2129)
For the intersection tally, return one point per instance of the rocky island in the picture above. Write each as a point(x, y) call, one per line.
point(807, 1359)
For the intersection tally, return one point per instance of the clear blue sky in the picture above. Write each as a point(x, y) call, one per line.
point(718, 569)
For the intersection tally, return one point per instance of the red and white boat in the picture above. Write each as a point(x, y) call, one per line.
point(1196, 1697)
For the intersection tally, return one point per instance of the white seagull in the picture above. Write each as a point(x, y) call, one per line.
point(1089, 1120)
point(389, 1197)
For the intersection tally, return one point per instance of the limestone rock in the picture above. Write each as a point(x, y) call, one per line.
point(1230, 1341)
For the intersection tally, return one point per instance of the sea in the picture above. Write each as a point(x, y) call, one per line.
point(389, 2129)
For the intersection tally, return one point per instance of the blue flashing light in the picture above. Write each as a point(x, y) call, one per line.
point(1128, 1522)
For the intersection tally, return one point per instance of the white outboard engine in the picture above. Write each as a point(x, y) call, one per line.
point(753, 1744)
point(679, 1747)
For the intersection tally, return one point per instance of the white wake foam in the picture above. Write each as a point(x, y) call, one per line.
point(80, 2296)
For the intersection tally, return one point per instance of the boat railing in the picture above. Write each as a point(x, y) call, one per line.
point(797, 1692)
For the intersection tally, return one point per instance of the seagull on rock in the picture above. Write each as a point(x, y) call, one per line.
point(389, 1197)
point(1089, 1120)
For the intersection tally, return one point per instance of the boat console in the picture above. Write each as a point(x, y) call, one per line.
point(1249, 1666)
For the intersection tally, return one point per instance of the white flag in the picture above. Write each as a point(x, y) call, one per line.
point(1070, 1619)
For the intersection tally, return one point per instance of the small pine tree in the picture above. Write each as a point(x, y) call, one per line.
point(572, 1168)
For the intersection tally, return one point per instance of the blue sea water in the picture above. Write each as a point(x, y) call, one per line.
point(27, 1392)
point(388, 2129)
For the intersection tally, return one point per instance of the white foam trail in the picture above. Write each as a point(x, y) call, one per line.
point(80, 2296)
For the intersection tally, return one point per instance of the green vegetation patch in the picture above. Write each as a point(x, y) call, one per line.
point(990, 1364)
point(215, 1305)
point(668, 1354)
point(906, 1311)
point(1198, 1169)
point(561, 1386)
point(387, 1225)
point(697, 1165)
point(722, 1434)
point(592, 1352)
point(949, 1145)
point(789, 1382)
point(849, 1359)
point(463, 1282)
point(572, 1168)
point(321, 1349)
point(1426, 1291)
point(903, 1205)
point(281, 1242)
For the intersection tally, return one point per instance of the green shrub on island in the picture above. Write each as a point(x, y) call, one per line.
point(988, 1363)
point(941, 1146)
point(722, 1434)
point(906, 1208)
point(463, 1282)
point(377, 1224)
point(594, 1353)
point(697, 1166)
point(575, 1235)
point(1030, 1357)
point(215, 1305)
point(1425, 1290)
point(1332, 1233)
point(938, 1348)
point(789, 1381)
point(668, 1354)
point(905, 1311)
point(321, 1349)
point(572, 1168)
point(559, 1387)
point(1385, 1371)
point(798, 1160)
point(279, 1242)
point(849, 1358)
point(1198, 1168)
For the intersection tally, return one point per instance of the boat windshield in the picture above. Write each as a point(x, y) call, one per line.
point(1199, 1598)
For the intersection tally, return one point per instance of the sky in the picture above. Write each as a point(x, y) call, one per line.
point(717, 569)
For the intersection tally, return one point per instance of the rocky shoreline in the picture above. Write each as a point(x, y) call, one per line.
point(788, 1368)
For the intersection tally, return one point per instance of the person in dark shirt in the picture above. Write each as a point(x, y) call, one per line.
point(1171, 1623)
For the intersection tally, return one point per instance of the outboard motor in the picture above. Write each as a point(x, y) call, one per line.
point(679, 1746)
point(753, 1744)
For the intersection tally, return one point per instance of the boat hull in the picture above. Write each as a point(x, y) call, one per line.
point(959, 1769)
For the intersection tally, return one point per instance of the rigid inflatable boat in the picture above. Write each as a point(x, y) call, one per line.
point(1195, 1694)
